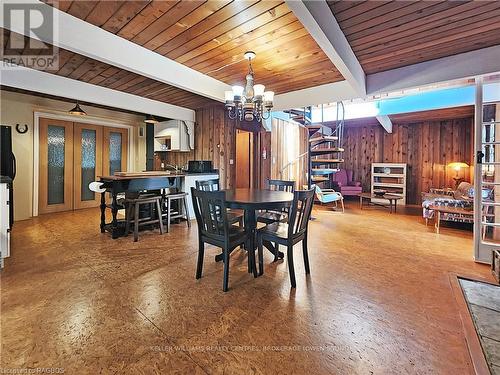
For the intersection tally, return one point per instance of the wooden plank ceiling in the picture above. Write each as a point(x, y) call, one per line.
point(211, 37)
point(390, 34)
point(72, 65)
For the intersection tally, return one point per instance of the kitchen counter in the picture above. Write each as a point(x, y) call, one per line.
point(216, 173)
point(136, 175)
point(154, 174)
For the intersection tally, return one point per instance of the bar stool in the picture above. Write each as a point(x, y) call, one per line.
point(181, 199)
point(133, 207)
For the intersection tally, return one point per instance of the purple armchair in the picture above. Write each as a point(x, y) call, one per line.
point(347, 187)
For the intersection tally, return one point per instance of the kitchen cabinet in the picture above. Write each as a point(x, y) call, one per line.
point(174, 135)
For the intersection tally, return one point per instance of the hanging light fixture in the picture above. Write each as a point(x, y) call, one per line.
point(249, 102)
point(150, 119)
point(77, 110)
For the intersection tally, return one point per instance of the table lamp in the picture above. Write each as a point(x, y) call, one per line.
point(457, 165)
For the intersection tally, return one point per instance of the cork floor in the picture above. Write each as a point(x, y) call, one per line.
point(378, 301)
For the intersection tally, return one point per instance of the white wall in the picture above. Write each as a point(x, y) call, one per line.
point(18, 108)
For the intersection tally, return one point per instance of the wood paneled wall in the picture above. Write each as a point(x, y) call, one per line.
point(426, 146)
point(215, 139)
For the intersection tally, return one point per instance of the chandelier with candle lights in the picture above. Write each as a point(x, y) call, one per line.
point(249, 102)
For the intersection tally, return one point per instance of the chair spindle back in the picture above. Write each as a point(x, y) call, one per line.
point(208, 185)
point(281, 185)
point(211, 214)
point(300, 212)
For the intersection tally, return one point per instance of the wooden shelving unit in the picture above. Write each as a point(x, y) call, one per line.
point(390, 177)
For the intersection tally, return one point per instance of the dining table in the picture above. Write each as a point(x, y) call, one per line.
point(251, 201)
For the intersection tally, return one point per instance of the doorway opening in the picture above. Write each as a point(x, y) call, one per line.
point(244, 159)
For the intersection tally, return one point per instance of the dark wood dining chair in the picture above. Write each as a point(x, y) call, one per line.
point(288, 234)
point(210, 208)
point(234, 216)
point(271, 216)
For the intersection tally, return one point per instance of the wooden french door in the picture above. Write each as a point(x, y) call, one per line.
point(87, 163)
point(71, 156)
point(55, 166)
point(115, 150)
point(487, 177)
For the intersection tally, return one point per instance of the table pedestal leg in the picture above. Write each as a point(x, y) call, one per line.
point(103, 212)
point(114, 212)
point(269, 246)
point(251, 225)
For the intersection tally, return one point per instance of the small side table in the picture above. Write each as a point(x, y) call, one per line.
point(439, 210)
point(391, 198)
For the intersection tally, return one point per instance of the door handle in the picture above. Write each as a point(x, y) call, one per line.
point(14, 167)
point(479, 157)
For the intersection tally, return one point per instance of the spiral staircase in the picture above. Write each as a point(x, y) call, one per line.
point(325, 145)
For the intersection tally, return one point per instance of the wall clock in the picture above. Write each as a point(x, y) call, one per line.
point(21, 129)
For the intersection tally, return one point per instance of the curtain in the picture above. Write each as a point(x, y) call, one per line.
point(289, 146)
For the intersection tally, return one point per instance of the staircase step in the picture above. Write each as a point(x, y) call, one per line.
point(323, 151)
point(326, 161)
point(325, 138)
point(319, 179)
point(323, 171)
point(301, 117)
point(313, 129)
point(295, 111)
point(326, 129)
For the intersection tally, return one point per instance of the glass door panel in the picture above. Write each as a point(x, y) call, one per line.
point(55, 166)
point(88, 163)
point(115, 150)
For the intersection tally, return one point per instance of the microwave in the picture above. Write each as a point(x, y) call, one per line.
point(200, 166)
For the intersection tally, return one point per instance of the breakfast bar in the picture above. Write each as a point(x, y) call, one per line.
point(132, 182)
